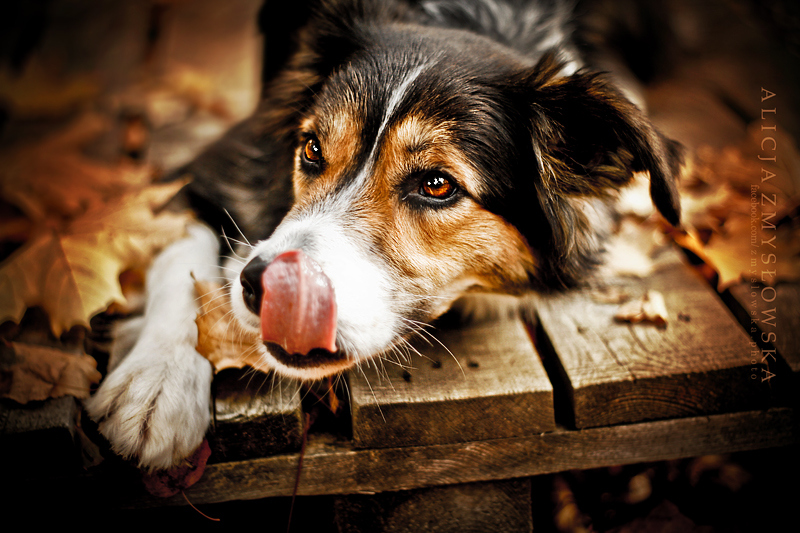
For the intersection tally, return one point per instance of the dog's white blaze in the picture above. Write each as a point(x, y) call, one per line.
point(366, 324)
point(394, 101)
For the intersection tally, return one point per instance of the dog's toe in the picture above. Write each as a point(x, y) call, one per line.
point(155, 412)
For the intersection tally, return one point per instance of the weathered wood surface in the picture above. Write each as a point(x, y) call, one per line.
point(616, 372)
point(776, 319)
point(501, 506)
point(482, 382)
point(331, 467)
point(255, 415)
point(39, 437)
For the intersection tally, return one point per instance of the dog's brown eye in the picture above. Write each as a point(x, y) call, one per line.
point(311, 151)
point(437, 186)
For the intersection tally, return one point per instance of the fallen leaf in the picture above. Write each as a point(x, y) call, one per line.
point(220, 338)
point(39, 91)
point(649, 308)
point(166, 483)
point(640, 488)
point(567, 516)
point(50, 180)
point(73, 272)
point(729, 253)
point(40, 373)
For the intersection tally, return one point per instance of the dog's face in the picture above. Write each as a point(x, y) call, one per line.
point(427, 165)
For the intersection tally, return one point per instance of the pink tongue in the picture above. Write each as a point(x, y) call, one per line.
point(298, 310)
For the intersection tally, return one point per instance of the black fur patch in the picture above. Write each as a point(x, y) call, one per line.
point(544, 142)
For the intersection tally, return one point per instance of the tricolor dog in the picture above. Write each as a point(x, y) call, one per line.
point(408, 153)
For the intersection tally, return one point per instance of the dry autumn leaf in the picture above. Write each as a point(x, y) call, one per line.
point(730, 253)
point(73, 271)
point(166, 483)
point(220, 339)
point(732, 202)
point(40, 373)
point(51, 179)
point(39, 91)
point(649, 308)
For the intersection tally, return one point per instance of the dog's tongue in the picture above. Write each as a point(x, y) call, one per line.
point(298, 310)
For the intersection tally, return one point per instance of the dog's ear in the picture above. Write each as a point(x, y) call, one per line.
point(588, 138)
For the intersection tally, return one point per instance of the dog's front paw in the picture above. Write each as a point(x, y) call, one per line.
point(155, 407)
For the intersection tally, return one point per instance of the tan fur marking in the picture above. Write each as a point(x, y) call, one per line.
point(435, 252)
point(339, 134)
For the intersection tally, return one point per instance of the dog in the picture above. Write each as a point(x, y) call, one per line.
point(405, 154)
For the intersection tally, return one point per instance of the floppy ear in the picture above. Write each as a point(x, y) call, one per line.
point(590, 139)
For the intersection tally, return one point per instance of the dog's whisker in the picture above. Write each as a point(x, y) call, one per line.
point(374, 397)
point(236, 259)
point(235, 225)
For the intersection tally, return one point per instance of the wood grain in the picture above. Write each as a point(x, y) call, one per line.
point(619, 372)
point(39, 437)
point(256, 415)
point(334, 467)
point(484, 381)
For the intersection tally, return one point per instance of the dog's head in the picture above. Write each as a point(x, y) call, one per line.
point(429, 163)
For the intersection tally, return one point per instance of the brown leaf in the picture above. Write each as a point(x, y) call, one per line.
point(73, 272)
point(649, 308)
point(51, 179)
point(40, 373)
point(39, 91)
point(220, 338)
point(729, 253)
point(166, 483)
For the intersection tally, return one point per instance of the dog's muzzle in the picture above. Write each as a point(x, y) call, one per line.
point(295, 300)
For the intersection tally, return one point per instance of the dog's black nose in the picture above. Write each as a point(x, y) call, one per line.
point(252, 292)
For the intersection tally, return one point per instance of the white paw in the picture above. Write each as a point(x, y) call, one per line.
point(155, 406)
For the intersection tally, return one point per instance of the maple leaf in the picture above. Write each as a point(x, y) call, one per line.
point(220, 338)
point(51, 179)
point(40, 373)
point(73, 271)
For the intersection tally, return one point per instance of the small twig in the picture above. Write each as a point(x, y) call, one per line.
point(299, 469)
point(201, 513)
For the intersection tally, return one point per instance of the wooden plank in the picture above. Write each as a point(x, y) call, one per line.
point(256, 415)
point(39, 438)
point(773, 318)
point(484, 381)
point(619, 373)
point(497, 506)
point(334, 467)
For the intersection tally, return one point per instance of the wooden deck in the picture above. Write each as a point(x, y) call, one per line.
point(570, 388)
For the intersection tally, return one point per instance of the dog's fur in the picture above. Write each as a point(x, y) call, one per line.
point(416, 152)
